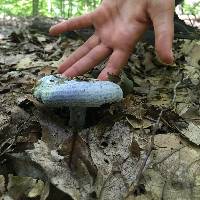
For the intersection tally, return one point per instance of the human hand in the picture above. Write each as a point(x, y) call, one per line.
point(118, 24)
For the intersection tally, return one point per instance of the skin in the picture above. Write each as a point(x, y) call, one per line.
point(119, 24)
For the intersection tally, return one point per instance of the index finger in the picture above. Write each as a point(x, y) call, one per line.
point(72, 24)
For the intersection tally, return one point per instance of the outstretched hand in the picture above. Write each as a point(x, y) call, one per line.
point(118, 24)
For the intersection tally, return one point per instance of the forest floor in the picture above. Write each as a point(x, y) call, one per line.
point(145, 147)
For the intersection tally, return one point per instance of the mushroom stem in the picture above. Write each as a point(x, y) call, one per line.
point(77, 116)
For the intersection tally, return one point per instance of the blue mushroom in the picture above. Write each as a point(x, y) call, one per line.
point(57, 91)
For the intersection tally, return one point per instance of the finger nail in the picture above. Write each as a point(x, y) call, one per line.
point(51, 29)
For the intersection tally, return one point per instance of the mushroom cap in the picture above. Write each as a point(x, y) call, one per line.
point(57, 91)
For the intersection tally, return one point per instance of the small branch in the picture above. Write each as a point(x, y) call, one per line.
point(191, 22)
point(174, 90)
point(134, 185)
point(7, 149)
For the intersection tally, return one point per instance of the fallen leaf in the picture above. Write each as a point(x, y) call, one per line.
point(25, 63)
point(192, 133)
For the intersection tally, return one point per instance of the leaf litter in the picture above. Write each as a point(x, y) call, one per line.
point(145, 147)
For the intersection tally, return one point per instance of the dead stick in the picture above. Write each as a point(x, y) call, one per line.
point(149, 150)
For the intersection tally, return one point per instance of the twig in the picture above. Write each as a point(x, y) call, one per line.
point(7, 149)
point(134, 185)
point(174, 90)
point(191, 22)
